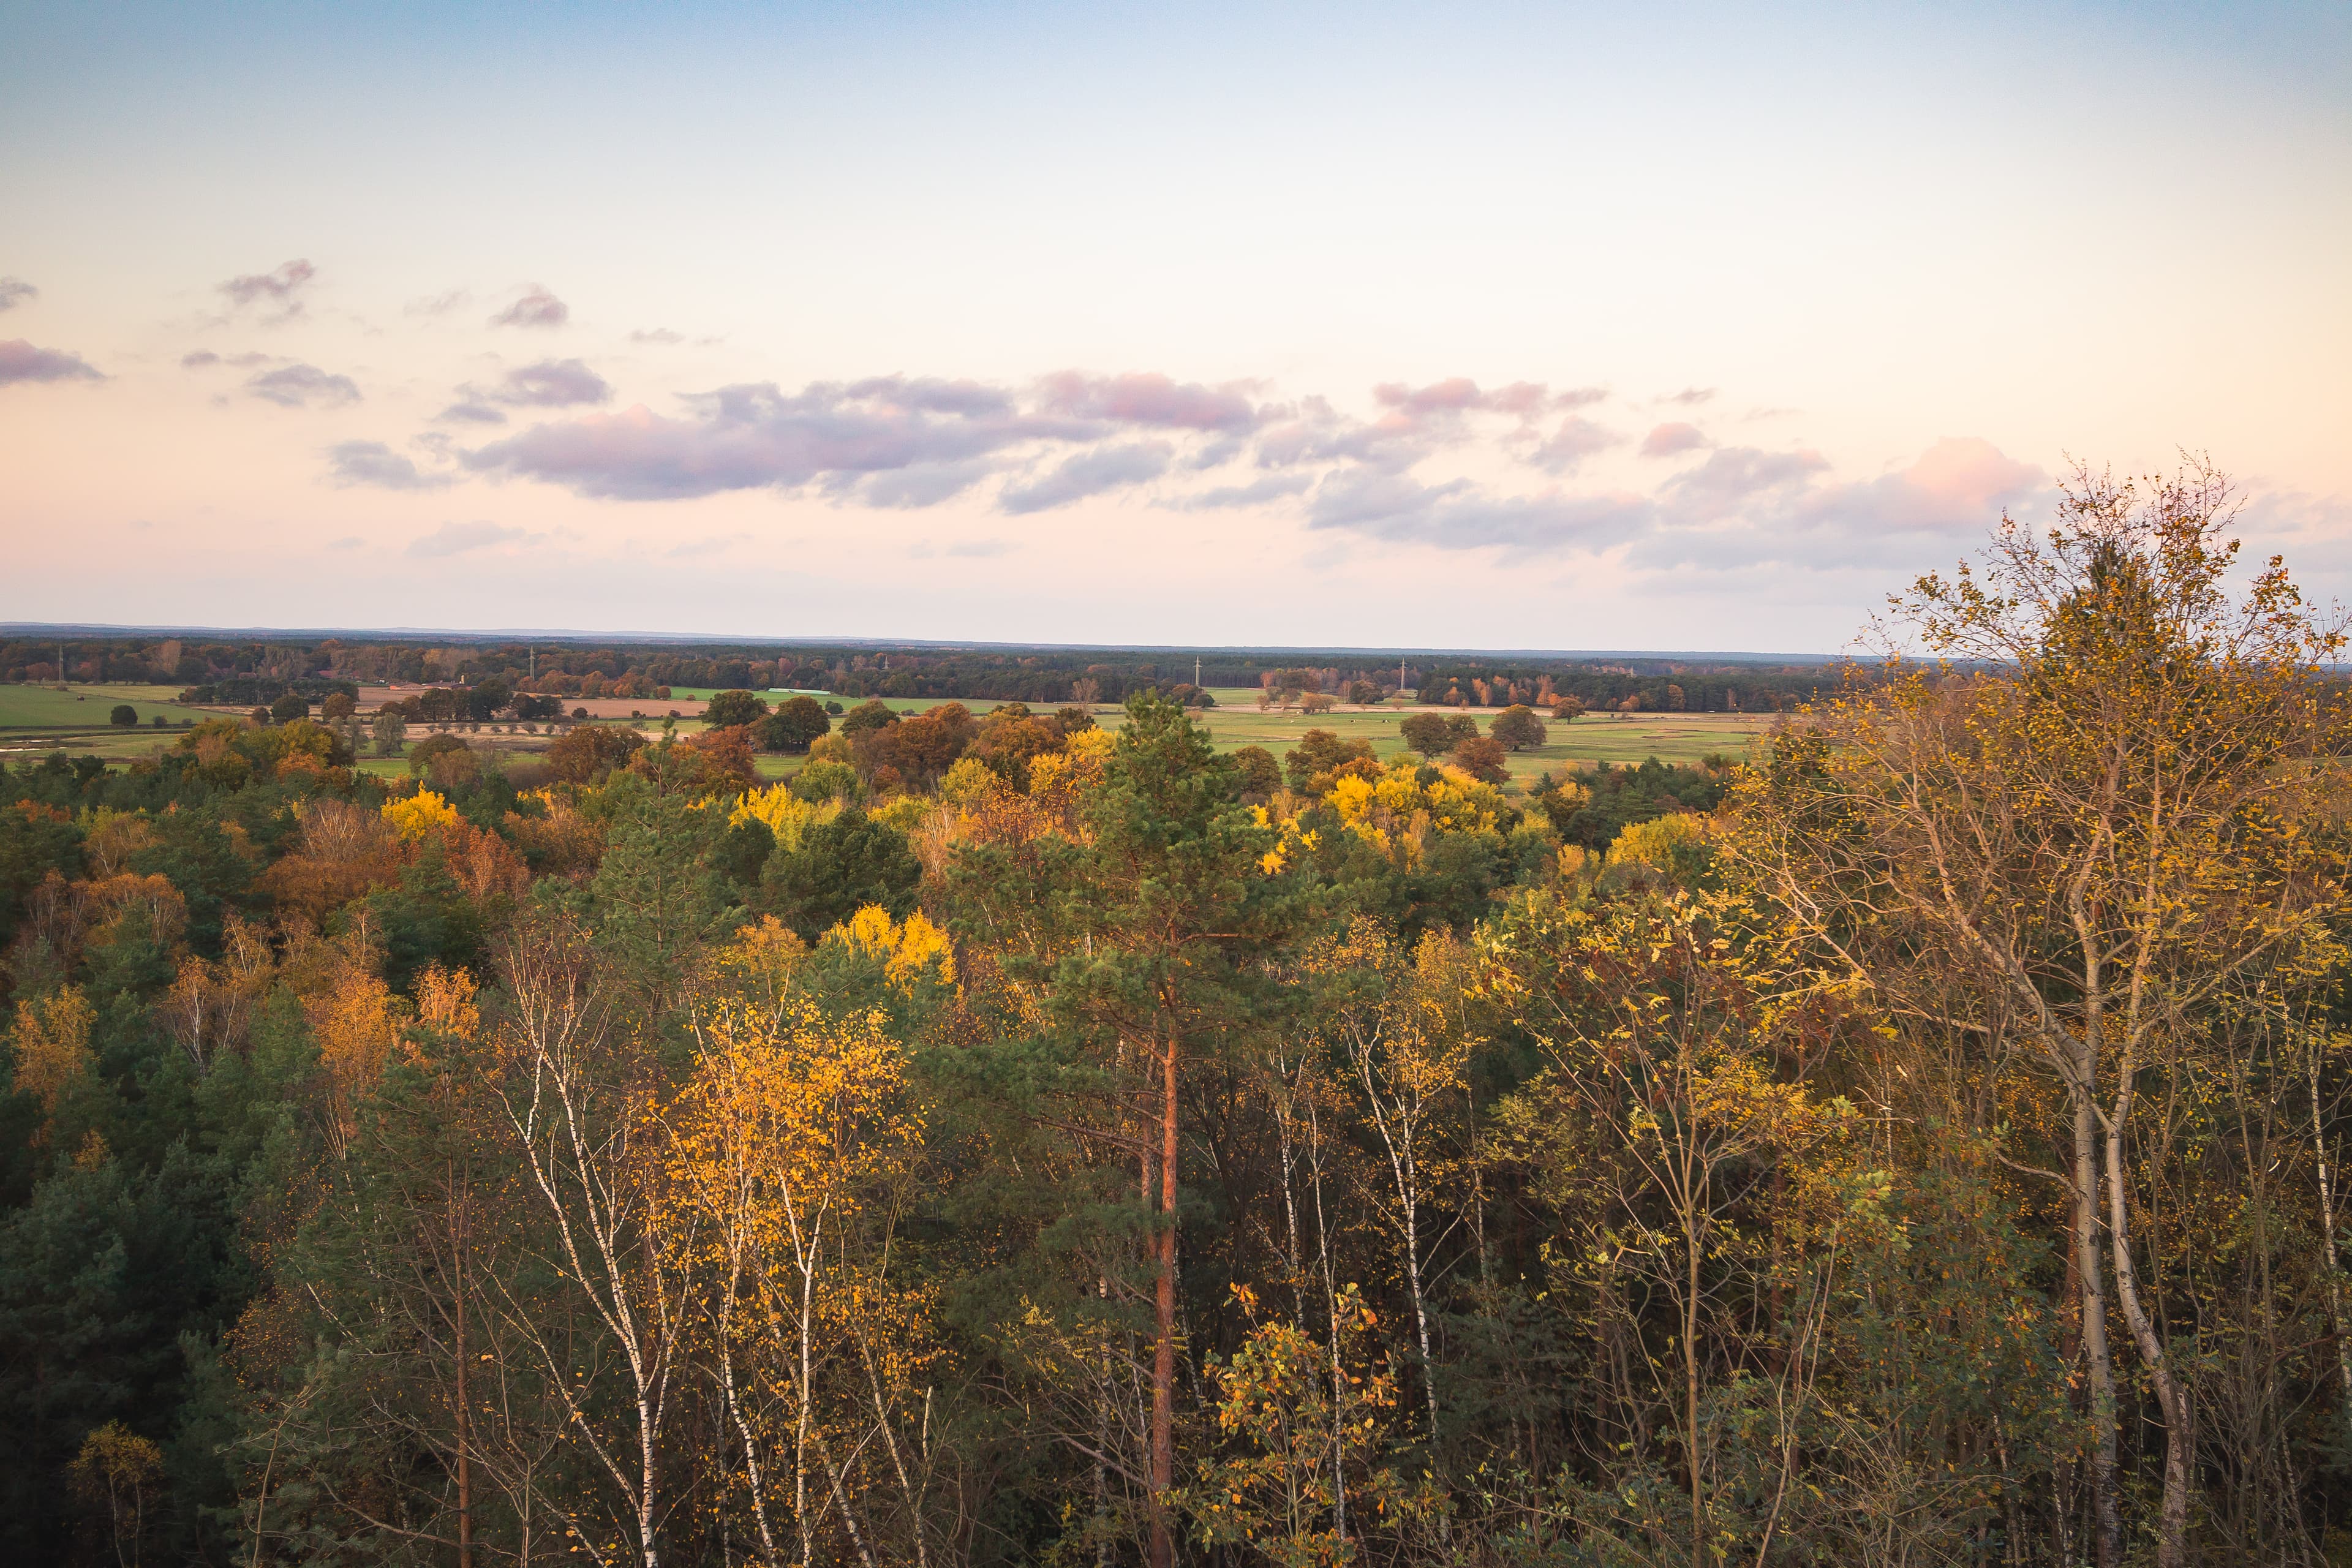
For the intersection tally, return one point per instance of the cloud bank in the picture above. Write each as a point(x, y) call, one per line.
point(907, 443)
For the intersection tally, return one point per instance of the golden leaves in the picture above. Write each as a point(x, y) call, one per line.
point(53, 1048)
point(914, 951)
point(415, 816)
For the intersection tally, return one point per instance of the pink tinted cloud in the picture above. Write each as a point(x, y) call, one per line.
point(1745, 507)
point(1666, 440)
point(756, 436)
point(1148, 398)
point(1459, 395)
point(1965, 475)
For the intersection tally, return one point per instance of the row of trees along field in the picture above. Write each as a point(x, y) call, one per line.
point(259, 672)
point(1926, 1155)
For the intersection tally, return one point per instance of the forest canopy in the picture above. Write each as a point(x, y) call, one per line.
point(1013, 1141)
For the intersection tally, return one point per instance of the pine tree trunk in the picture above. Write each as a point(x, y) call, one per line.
point(1163, 1352)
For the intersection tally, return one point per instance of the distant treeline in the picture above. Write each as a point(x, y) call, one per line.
point(260, 671)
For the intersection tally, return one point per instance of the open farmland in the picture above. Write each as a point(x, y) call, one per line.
point(1583, 743)
point(38, 717)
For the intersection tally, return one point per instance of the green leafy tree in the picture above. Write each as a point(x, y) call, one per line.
point(796, 723)
point(1257, 776)
point(390, 729)
point(124, 716)
point(289, 707)
point(869, 715)
point(841, 867)
point(731, 707)
point(1146, 942)
point(658, 893)
point(1517, 728)
point(1319, 757)
point(1431, 734)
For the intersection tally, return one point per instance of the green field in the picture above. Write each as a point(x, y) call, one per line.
point(36, 718)
point(86, 707)
point(1613, 738)
point(1626, 738)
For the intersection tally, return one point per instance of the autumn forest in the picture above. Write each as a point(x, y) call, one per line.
point(1027, 1136)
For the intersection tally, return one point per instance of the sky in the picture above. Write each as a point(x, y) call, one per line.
point(1443, 326)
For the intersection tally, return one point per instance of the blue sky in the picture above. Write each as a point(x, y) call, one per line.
point(1223, 324)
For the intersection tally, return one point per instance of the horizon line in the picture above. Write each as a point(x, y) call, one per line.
point(71, 630)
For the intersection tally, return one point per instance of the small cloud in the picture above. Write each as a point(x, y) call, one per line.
point(373, 463)
point(657, 335)
point(1577, 440)
point(282, 287)
point(303, 386)
point(471, 412)
point(1668, 439)
point(203, 359)
point(1088, 474)
point(458, 537)
point(1257, 492)
point(347, 542)
point(553, 383)
point(15, 292)
point(20, 361)
point(537, 308)
point(439, 304)
point(1690, 396)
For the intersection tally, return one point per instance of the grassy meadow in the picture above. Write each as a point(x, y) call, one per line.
point(33, 717)
point(38, 717)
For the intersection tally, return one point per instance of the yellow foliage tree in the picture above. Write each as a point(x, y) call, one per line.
point(118, 1471)
point(792, 1150)
point(1397, 811)
point(53, 1048)
point(909, 951)
point(1654, 843)
point(785, 815)
point(415, 816)
point(356, 1020)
